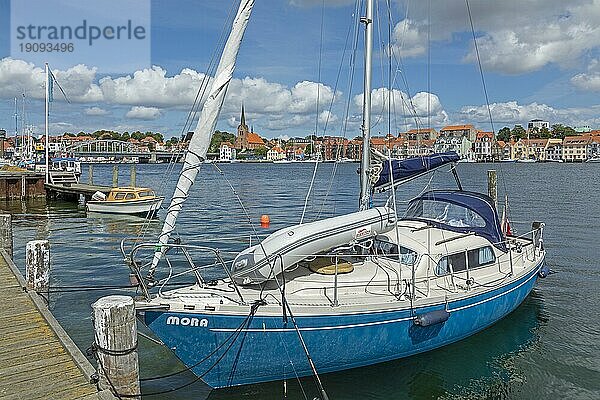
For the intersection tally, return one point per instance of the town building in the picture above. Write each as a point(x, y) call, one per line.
point(536, 125)
point(227, 152)
point(275, 154)
point(245, 139)
point(575, 148)
point(554, 150)
point(459, 144)
point(421, 134)
point(593, 150)
point(483, 146)
point(468, 131)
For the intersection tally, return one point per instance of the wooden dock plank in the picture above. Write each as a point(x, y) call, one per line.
point(37, 361)
point(43, 387)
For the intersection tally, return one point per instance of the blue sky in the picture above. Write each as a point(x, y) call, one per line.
point(540, 58)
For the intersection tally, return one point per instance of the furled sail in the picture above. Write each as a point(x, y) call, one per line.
point(404, 170)
point(200, 140)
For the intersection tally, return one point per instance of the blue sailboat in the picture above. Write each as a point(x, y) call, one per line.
point(341, 292)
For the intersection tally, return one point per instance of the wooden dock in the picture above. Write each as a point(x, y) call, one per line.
point(38, 360)
point(73, 191)
point(21, 184)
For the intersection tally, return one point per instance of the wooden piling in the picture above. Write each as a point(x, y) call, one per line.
point(133, 175)
point(493, 186)
point(115, 181)
point(116, 338)
point(6, 233)
point(91, 174)
point(37, 265)
point(23, 187)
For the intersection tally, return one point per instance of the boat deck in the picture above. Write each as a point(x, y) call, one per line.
point(37, 358)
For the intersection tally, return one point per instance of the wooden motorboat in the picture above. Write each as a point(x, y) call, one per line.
point(126, 200)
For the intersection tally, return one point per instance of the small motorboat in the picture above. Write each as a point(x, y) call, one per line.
point(126, 200)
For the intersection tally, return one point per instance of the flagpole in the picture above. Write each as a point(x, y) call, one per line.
point(46, 147)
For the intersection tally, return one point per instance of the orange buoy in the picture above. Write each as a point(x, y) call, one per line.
point(265, 221)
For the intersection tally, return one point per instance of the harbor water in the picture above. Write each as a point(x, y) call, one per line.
point(548, 348)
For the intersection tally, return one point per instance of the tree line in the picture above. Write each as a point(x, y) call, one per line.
point(557, 131)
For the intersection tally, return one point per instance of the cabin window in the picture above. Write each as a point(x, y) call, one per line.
point(119, 196)
point(458, 262)
point(452, 263)
point(480, 257)
point(389, 250)
point(145, 194)
point(445, 213)
point(130, 196)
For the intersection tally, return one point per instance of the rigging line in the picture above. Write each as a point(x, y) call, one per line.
point(390, 93)
point(234, 335)
point(309, 358)
point(487, 100)
point(428, 65)
point(292, 364)
point(339, 147)
point(381, 65)
point(312, 181)
point(196, 104)
point(392, 80)
point(352, 67)
point(58, 84)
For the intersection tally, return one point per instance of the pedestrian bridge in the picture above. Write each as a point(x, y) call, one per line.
point(119, 149)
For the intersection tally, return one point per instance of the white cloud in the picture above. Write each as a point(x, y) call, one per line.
point(95, 111)
point(327, 117)
point(18, 76)
point(409, 39)
point(513, 37)
point(511, 113)
point(152, 87)
point(151, 91)
point(420, 107)
point(590, 80)
point(144, 113)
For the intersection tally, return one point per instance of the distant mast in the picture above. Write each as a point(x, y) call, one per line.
point(47, 110)
point(200, 140)
point(364, 200)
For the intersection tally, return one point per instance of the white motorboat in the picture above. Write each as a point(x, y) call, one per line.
point(126, 200)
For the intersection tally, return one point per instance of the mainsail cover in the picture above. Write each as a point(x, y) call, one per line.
point(403, 170)
point(200, 140)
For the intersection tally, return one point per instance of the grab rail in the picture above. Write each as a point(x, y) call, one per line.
point(147, 282)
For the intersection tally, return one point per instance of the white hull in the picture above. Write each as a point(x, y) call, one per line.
point(130, 207)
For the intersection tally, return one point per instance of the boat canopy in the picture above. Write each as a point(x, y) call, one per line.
point(404, 170)
point(459, 211)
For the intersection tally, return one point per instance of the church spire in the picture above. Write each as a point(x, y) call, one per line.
point(243, 119)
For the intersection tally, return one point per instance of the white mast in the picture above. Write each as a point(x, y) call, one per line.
point(200, 141)
point(366, 124)
point(16, 127)
point(47, 144)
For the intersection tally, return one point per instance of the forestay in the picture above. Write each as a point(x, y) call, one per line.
point(200, 141)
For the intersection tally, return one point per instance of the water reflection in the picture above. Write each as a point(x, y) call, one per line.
point(479, 366)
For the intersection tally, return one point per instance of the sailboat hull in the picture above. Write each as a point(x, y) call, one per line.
point(229, 350)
